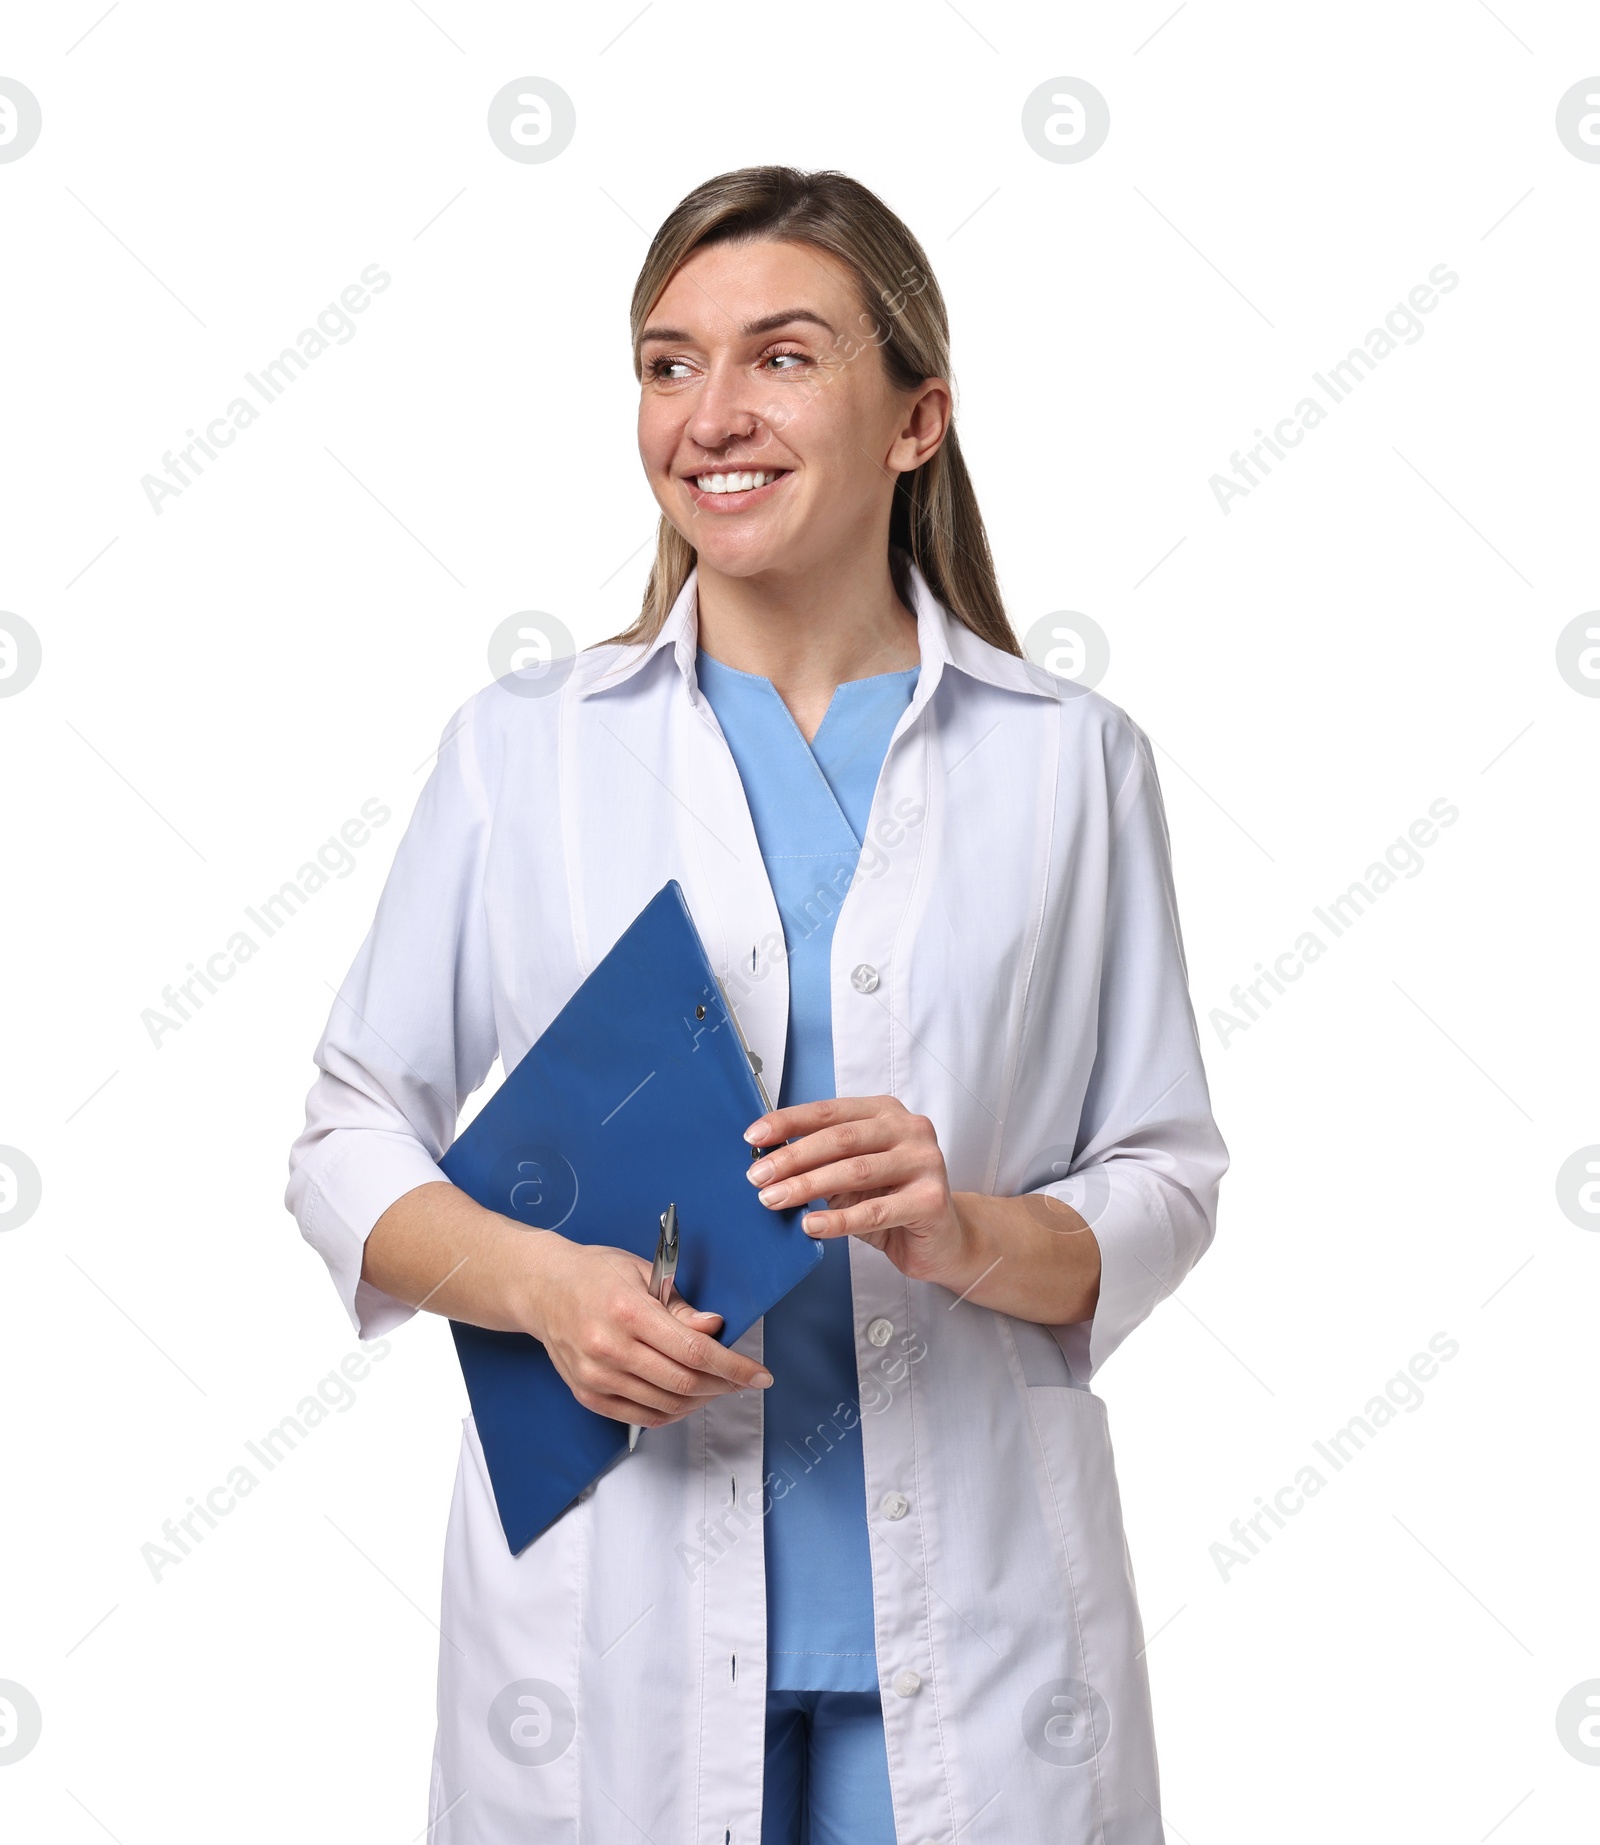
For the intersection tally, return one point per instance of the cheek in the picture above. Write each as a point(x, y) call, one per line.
point(658, 436)
point(833, 471)
point(850, 427)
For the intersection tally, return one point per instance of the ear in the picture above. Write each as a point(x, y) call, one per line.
point(926, 421)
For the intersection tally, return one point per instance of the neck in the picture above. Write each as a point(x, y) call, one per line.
point(808, 633)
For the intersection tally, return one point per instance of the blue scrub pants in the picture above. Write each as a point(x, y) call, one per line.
point(827, 1775)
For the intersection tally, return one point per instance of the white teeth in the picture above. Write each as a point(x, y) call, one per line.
point(734, 483)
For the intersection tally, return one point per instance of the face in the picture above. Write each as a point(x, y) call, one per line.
point(756, 362)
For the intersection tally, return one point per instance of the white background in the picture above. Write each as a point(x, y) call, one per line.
point(1371, 629)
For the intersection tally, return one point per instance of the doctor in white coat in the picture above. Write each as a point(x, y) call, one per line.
point(1018, 1157)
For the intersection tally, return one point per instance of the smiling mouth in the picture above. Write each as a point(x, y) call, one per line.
point(731, 490)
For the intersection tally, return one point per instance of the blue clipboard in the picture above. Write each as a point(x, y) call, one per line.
point(636, 1096)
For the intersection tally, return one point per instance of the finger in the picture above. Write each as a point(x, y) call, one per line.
point(651, 1381)
point(638, 1374)
point(894, 1211)
point(689, 1346)
point(807, 1117)
point(864, 1172)
point(825, 1224)
point(660, 1374)
point(835, 1201)
point(692, 1316)
point(624, 1409)
point(874, 1134)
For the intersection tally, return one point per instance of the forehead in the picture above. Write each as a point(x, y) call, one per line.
point(721, 290)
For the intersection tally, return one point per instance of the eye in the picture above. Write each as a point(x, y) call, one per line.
point(800, 358)
point(660, 368)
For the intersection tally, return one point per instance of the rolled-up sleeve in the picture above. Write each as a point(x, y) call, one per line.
point(1148, 1159)
point(410, 1036)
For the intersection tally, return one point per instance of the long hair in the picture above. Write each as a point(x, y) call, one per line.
point(934, 521)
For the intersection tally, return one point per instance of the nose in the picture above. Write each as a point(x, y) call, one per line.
point(727, 411)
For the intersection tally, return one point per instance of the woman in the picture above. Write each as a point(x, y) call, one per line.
point(865, 1579)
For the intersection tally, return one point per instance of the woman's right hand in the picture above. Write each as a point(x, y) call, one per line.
point(621, 1352)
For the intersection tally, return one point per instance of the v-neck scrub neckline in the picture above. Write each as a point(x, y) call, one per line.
point(850, 742)
point(810, 804)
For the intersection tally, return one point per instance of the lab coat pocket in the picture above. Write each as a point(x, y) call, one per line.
point(1084, 1507)
point(1083, 1512)
point(1042, 1360)
point(510, 1694)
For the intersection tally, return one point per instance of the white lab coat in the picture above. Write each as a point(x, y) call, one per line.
point(1014, 901)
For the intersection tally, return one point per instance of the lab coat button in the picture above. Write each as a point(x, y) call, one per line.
point(894, 1505)
point(880, 1332)
point(864, 978)
point(907, 1684)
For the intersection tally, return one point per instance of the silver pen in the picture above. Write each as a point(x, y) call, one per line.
point(662, 1271)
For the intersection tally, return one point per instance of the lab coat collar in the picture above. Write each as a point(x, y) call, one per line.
point(942, 641)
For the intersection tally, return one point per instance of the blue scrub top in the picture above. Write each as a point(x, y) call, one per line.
point(810, 804)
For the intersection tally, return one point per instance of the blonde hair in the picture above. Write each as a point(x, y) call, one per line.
point(934, 521)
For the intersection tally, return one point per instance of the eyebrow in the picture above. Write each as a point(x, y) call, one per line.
point(769, 323)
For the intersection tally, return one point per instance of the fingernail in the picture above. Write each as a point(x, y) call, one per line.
point(760, 1172)
point(753, 1132)
point(762, 1379)
point(813, 1226)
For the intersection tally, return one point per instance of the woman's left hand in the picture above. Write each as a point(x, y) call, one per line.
point(881, 1172)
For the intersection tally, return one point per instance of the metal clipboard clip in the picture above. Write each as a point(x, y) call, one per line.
point(754, 1060)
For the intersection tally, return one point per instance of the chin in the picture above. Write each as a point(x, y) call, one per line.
point(744, 560)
